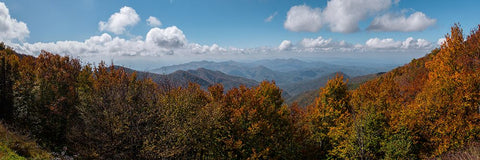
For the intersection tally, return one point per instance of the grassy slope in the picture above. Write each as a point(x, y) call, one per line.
point(471, 151)
point(14, 146)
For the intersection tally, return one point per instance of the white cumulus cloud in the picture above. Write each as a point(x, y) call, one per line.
point(153, 21)
point(118, 22)
point(285, 45)
point(340, 15)
point(417, 21)
point(303, 18)
point(102, 39)
point(170, 37)
point(10, 28)
point(344, 15)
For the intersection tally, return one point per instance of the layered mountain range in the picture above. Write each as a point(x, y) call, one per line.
point(298, 79)
point(282, 71)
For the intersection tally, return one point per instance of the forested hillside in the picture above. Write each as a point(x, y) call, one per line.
point(308, 97)
point(201, 76)
point(427, 108)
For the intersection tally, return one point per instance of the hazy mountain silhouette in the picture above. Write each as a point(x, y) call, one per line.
point(282, 71)
point(201, 76)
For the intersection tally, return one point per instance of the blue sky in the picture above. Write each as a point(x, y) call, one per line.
point(217, 27)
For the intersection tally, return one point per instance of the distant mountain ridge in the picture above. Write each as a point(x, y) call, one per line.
point(313, 84)
point(291, 64)
point(282, 71)
point(201, 76)
point(307, 96)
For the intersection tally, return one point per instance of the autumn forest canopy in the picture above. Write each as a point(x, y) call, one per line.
point(427, 108)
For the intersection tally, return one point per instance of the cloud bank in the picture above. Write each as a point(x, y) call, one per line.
point(158, 42)
point(409, 43)
point(171, 41)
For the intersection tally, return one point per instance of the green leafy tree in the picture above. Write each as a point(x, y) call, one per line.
point(367, 136)
point(329, 119)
